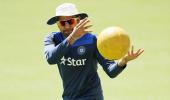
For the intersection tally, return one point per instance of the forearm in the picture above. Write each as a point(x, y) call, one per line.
point(114, 69)
point(55, 53)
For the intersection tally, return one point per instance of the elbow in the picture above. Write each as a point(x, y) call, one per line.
point(112, 75)
point(114, 71)
point(50, 59)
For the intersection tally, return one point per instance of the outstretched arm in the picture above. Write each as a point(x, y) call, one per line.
point(113, 68)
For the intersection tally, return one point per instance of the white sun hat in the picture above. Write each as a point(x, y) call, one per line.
point(66, 9)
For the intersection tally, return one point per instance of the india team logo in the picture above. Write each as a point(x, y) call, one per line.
point(81, 50)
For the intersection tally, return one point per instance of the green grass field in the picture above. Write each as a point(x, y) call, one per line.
point(25, 74)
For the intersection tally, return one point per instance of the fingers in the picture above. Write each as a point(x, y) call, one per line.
point(137, 53)
point(132, 49)
point(133, 55)
point(128, 53)
point(83, 26)
point(83, 22)
point(86, 27)
point(140, 52)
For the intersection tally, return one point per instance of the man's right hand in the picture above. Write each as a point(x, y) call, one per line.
point(79, 30)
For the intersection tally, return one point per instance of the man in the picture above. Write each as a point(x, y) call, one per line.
point(75, 52)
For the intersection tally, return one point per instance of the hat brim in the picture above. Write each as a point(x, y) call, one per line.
point(54, 19)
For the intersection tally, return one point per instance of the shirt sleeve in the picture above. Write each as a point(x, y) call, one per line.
point(110, 66)
point(54, 52)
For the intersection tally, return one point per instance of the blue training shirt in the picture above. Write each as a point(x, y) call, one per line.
point(77, 65)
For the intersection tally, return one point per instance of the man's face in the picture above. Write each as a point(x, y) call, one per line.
point(66, 24)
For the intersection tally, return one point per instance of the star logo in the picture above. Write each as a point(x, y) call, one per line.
point(72, 62)
point(63, 60)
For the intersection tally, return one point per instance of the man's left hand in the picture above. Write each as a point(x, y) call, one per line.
point(130, 56)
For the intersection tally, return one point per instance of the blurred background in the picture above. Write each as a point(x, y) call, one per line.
point(25, 74)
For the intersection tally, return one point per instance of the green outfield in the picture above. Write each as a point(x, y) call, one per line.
point(25, 74)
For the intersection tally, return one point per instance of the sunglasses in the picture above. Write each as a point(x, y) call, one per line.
point(71, 21)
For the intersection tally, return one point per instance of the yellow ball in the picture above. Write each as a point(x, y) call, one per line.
point(113, 43)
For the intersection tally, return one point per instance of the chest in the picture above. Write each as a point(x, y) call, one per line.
point(81, 51)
